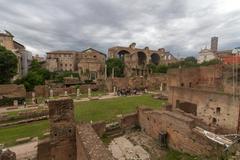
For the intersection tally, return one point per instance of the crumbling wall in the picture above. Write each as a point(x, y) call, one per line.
point(129, 121)
point(99, 128)
point(62, 129)
point(213, 108)
point(43, 150)
point(89, 145)
point(179, 131)
point(204, 77)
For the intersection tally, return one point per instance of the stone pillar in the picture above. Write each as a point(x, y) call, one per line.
point(105, 74)
point(15, 103)
point(51, 93)
point(89, 92)
point(161, 87)
point(78, 93)
point(33, 98)
point(114, 90)
point(65, 93)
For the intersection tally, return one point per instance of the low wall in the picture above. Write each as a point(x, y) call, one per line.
point(179, 131)
point(100, 128)
point(129, 121)
point(89, 146)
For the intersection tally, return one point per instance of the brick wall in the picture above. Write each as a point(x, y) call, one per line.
point(213, 108)
point(179, 130)
point(89, 145)
point(129, 121)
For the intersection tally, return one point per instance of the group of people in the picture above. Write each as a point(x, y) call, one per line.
point(130, 91)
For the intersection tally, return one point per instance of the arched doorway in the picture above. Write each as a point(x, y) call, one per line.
point(122, 54)
point(155, 58)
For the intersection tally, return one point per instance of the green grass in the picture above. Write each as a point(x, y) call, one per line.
point(95, 110)
point(108, 109)
point(9, 135)
point(176, 155)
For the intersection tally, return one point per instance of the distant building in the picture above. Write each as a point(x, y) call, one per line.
point(209, 54)
point(24, 57)
point(89, 63)
point(227, 57)
point(206, 55)
point(137, 59)
point(38, 58)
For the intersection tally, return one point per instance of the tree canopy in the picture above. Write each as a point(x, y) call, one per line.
point(118, 66)
point(36, 76)
point(8, 65)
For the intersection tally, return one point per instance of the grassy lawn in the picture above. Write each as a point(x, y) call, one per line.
point(9, 135)
point(176, 155)
point(108, 109)
point(94, 110)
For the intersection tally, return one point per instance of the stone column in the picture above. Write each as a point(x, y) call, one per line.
point(51, 93)
point(65, 93)
point(33, 98)
point(78, 93)
point(105, 74)
point(89, 92)
point(15, 103)
point(114, 90)
point(161, 87)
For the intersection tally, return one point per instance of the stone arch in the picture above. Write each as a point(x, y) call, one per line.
point(142, 58)
point(155, 58)
point(122, 54)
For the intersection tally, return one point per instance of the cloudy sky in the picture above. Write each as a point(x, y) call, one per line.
point(181, 26)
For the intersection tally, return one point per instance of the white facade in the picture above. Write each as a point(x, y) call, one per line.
point(206, 55)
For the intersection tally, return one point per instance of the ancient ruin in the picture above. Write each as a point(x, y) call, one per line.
point(136, 59)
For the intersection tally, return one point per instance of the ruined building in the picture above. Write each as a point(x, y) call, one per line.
point(90, 63)
point(24, 57)
point(68, 140)
point(137, 59)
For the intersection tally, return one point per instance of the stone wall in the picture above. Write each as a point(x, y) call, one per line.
point(151, 82)
point(43, 149)
point(208, 77)
point(89, 145)
point(180, 135)
point(129, 121)
point(213, 108)
point(62, 129)
point(99, 128)
point(137, 59)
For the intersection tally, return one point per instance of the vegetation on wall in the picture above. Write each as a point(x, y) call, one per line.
point(118, 66)
point(186, 63)
point(36, 76)
point(59, 75)
point(8, 65)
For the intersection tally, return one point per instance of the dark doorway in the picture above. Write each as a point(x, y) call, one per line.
point(142, 58)
point(155, 58)
point(122, 54)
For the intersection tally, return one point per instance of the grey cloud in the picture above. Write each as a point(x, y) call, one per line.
point(182, 26)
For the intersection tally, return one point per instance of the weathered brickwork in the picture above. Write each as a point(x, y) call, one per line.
point(89, 145)
point(136, 59)
point(179, 131)
point(213, 108)
point(62, 129)
point(69, 141)
point(152, 82)
point(90, 63)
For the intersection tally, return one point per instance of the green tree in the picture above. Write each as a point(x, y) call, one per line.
point(8, 65)
point(36, 76)
point(118, 66)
